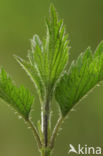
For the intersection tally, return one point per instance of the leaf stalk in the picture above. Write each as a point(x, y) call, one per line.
point(55, 132)
point(35, 133)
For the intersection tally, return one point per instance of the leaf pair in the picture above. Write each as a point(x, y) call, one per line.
point(47, 59)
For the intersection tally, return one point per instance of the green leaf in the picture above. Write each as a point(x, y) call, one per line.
point(19, 98)
point(34, 76)
point(82, 76)
point(47, 59)
point(55, 49)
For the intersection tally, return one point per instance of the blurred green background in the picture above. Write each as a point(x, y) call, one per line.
point(19, 21)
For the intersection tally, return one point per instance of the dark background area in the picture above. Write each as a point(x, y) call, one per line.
point(19, 21)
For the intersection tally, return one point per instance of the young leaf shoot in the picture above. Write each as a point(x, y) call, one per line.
point(48, 70)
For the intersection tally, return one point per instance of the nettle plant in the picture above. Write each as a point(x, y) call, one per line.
point(47, 68)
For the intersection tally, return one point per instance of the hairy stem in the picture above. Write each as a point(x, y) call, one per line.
point(35, 132)
point(55, 131)
point(45, 152)
point(46, 116)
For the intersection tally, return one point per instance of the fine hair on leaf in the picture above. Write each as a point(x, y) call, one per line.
point(47, 68)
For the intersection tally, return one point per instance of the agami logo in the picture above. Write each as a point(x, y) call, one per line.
point(85, 150)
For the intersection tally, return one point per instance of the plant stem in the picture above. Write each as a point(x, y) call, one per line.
point(46, 116)
point(35, 132)
point(55, 131)
point(45, 152)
